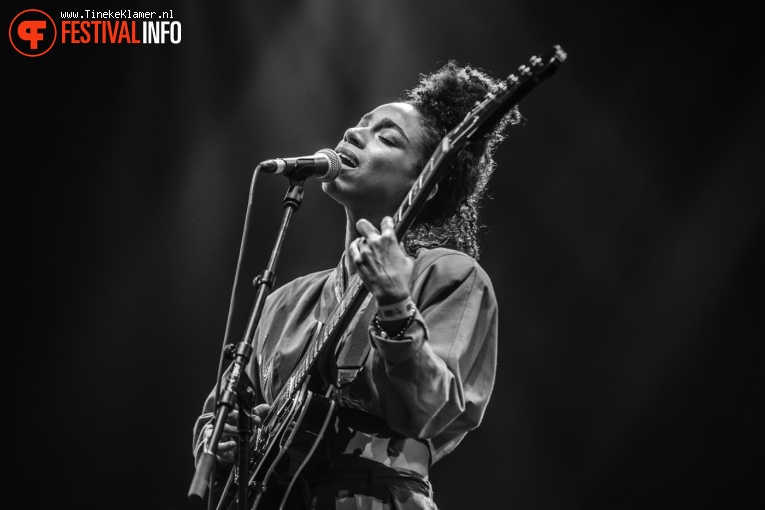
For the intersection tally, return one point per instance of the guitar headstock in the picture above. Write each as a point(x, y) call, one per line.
point(539, 67)
point(516, 86)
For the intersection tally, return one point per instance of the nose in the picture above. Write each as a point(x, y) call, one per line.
point(354, 136)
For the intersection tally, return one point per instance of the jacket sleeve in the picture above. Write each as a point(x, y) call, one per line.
point(436, 381)
point(203, 427)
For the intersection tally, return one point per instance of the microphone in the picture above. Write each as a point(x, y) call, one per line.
point(324, 165)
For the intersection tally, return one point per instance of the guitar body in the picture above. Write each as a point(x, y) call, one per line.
point(282, 448)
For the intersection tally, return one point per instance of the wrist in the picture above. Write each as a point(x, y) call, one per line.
point(387, 299)
point(398, 310)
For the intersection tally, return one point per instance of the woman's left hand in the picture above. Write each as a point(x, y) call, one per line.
point(382, 262)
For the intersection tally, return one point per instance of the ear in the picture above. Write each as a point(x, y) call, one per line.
point(432, 193)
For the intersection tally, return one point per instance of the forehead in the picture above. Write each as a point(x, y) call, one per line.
point(402, 114)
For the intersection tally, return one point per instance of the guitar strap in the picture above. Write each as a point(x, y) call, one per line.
point(354, 350)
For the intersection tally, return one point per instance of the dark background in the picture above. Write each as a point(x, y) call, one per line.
point(623, 239)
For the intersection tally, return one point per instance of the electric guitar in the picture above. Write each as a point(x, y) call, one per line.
point(299, 416)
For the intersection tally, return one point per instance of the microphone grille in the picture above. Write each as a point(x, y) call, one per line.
point(334, 166)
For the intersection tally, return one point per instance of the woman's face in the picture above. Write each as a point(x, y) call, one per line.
point(379, 156)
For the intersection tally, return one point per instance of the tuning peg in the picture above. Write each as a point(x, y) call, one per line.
point(524, 70)
point(535, 61)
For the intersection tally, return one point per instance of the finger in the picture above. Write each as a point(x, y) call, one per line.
point(259, 413)
point(262, 409)
point(386, 227)
point(359, 256)
point(366, 229)
point(227, 451)
point(226, 446)
point(354, 252)
point(364, 248)
point(230, 430)
point(364, 257)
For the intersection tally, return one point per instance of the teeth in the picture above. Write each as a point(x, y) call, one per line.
point(346, 160)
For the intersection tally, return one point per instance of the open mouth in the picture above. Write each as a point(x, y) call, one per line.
point(347, 158)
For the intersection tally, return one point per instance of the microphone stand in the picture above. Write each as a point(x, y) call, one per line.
point(239, 389)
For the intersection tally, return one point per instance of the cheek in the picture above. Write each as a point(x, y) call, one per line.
point(396, 168)
point(394, 176)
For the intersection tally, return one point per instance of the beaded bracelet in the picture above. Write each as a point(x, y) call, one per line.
point(398, 335)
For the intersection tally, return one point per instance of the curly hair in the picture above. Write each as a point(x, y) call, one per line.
point(443, 98)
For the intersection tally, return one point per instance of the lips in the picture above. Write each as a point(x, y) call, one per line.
point(347, 157)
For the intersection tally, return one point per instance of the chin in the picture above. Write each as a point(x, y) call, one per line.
point(334, 190)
